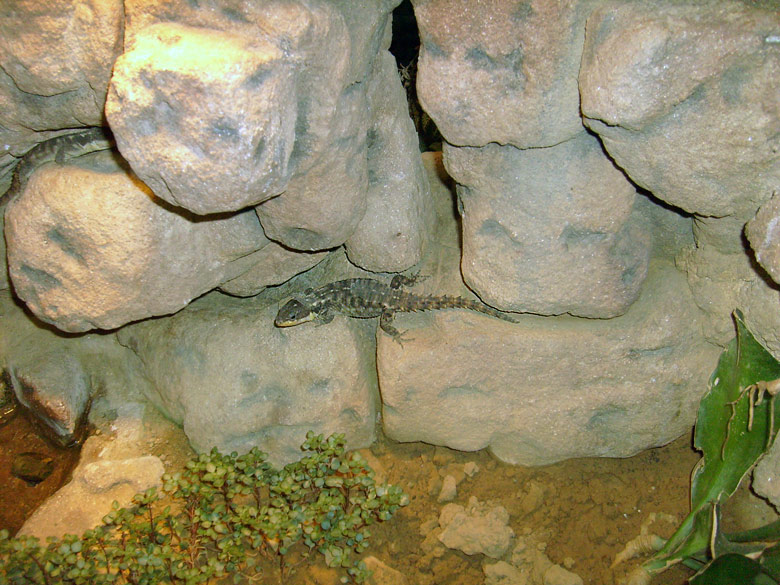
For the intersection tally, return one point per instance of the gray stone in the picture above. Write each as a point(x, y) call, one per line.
point(55, 377)
point(56, 391)
point(763, 233)
point(672, 231)
point(547, 389)
point(549, 231)
point(724, 234)
point(684, 97)
point(758, 300)
point(233, 381)
point(476, 529)
point(92, 248)
point(391, 235)
point(57, 62)
point(502, 72)
point(202, 139)
point(321, 207)
point(716, 280)
point(274, 264)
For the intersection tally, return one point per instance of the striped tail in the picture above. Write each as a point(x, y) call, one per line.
point(425, 303)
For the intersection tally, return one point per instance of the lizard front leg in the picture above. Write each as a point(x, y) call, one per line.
point(324, 317)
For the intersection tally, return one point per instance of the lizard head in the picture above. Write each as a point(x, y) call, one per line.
point(293, 313)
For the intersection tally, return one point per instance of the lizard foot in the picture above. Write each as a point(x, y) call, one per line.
point(400, 280)
point(385, 324)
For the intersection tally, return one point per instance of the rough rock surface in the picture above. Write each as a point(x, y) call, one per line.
point(502, 72)
point(233, 381)
point(391, 235)
point(723, 282)
point(202, 139)
point(455, 382)
point(57, 60)
point(303, 128)
point(763, 233)
point(476, 529)
point(54, 376)
point(545, 390)
point(549, 230)
point(684, 98)
point(274, 264)
point(92, 248)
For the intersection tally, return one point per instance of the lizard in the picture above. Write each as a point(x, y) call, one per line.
point(365, 298)
point(59, 149)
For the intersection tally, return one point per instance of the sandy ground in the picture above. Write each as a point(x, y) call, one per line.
point(579, 513)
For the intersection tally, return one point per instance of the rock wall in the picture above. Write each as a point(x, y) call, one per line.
point(601, 162)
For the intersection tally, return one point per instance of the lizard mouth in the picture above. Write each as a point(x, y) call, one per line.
point(293, 313)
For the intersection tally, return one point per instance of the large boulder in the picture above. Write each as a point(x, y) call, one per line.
point(549, 230)
point(232, 380)
point(89, 247)
point(684, 98)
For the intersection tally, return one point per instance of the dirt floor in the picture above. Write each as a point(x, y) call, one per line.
point(585, 510)
point(579, 512)
point(19, 499)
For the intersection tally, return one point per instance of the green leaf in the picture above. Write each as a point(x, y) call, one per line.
point(731, 569)
point(770, 562)
point(729, 449)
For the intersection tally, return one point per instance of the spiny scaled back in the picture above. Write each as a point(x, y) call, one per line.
point(59, 149)
point(365, 298)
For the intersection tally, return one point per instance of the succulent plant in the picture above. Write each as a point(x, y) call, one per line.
point(216, 518)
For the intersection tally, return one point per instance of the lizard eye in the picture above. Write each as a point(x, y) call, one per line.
point(292, 313)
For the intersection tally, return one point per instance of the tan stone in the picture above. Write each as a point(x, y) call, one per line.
point(549, 231)
point(93, 249)
point(547, 389)
point(502, 72)
point(232, 380)
point(684, 98)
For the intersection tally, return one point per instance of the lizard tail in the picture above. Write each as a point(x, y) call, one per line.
point(452, 302)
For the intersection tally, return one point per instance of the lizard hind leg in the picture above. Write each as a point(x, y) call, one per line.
point(385, 322)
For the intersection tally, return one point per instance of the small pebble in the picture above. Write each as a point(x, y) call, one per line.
point(470, 468)
point(449, 489)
